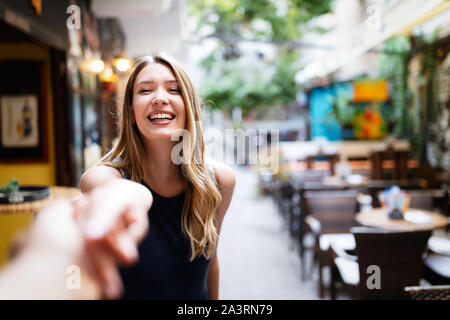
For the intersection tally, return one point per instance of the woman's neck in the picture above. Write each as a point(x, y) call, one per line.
point(162, 173)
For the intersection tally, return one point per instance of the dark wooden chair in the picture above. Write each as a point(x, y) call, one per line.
point(400, 159)
point(398, 255)
point(430, 199)
point(329, 215)
point(376, 186)
point(436, 269)
point(283, 195)
point(331, 158)
point(301, 180)
point(305, 243)
point(428, 173)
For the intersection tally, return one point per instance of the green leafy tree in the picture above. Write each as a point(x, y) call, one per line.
point(256, 19)
point(251, 83)
point(236, 80)
point(393, 67)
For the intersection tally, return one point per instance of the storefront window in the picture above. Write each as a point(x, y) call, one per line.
point(77, 134)
point(92, 150)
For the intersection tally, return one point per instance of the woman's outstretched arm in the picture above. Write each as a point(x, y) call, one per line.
point(113, 217)
point(104, 187)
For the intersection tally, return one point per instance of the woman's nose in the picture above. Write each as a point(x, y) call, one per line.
point(160, 97)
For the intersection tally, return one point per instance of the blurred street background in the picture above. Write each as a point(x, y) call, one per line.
point(345, 98)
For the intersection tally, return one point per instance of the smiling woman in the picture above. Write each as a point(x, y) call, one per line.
point(178, 258)
point(158, 98)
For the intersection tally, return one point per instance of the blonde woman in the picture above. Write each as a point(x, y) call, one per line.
point(184, 202)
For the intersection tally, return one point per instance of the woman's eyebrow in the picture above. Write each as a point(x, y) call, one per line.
point(151, 81)
point(144, 81)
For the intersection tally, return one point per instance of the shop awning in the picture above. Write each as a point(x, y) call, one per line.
point(400, 18)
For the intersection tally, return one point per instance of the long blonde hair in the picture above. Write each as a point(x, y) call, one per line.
point(202, 192)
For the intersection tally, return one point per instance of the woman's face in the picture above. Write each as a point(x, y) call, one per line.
point(158, 104)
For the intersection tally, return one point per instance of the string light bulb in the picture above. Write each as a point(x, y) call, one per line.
point(122, 64)
point(108, 75)
point(96, 65)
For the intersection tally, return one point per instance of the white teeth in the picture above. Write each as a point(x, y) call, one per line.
point(161, 116)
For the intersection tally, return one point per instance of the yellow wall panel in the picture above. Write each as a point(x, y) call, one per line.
point(9, 226)
point(27, 173)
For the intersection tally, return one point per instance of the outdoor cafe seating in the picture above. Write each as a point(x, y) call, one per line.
point(321, 206)
point(436, 269)
point(383, 264)
point(329, 215)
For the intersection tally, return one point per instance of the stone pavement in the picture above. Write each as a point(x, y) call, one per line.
point(256, 259)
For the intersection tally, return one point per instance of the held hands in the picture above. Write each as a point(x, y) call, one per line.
point(42, 255)
point(96, 233)
point(113, 219)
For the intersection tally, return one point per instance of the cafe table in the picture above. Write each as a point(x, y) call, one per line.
point(56, 192)
point(16, 217)
point(414, 219)
point(353, 181)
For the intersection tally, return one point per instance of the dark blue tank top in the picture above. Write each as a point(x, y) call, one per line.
point(164, 270)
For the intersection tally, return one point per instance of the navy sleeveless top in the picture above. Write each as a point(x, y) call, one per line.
point(164, 271)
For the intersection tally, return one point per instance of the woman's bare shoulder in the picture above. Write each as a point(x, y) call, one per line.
point(226, 180)
point(224, 174)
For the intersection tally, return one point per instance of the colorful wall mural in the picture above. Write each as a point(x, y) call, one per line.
point(350, 110)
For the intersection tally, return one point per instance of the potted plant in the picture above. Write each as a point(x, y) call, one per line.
point(343, 112)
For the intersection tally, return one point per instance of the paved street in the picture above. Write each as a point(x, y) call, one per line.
point(256, 260)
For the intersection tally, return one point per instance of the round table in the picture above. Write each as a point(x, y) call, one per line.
point(56, 192)
point(378, 218)
point(16, 217)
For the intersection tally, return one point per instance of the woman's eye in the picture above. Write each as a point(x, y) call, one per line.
point(144, 90)
point(175, 90)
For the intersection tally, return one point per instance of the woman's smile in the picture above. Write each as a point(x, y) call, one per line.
point(158, 103)
point(161, 117)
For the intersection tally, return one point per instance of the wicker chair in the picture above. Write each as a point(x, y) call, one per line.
point(428, 292)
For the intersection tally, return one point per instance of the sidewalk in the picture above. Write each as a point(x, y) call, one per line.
point(256, 261)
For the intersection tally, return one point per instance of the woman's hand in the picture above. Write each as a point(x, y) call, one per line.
point(95, 233)
point(113, 219)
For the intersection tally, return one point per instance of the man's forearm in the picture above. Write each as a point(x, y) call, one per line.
point(41, 267)
point(44, 274)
